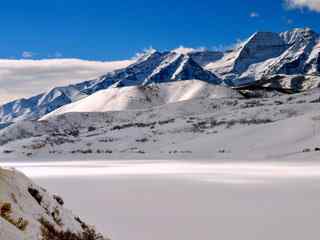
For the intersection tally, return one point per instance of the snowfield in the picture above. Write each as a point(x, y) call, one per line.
point(142, 97)
point(223, 199)
point(180, 120)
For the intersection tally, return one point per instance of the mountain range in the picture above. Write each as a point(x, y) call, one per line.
point(287, 61)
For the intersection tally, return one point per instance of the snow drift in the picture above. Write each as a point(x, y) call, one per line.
point(142, 97)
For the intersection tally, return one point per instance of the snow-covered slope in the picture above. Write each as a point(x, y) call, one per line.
point(151, 67)
point(251, 127)
point(29, 212)
point(265, 53)
point(154, 67)
point(39, 105)
point(142, 97)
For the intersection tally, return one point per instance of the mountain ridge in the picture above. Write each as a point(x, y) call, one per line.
point(262, 57)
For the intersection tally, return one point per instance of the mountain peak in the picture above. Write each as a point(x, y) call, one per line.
point(140, 57)
point(298, 34)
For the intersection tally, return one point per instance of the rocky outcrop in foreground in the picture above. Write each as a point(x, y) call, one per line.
point(29, 212)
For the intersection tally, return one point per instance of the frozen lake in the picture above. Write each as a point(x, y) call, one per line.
point(188, 200)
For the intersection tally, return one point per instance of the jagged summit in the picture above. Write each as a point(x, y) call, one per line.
point(298, 34)
point(265, 54)
point(154, 67)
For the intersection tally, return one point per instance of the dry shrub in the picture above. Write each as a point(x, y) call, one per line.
point(49, 232)
point(5, 213)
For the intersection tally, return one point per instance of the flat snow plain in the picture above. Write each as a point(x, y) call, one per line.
point(143, 200)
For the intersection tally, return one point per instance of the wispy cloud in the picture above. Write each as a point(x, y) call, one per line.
point(289, 21)
point(27, 54)
point(254, 15)
point(23, 78)
point(313, 5)
point(55, 55)
point(235, 45)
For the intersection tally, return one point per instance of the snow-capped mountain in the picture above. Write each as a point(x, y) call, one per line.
point(265, 54)
point(273, 60)
point(29, 212)
point(152, 67)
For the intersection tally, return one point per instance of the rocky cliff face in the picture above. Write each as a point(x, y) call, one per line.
point(266, 54)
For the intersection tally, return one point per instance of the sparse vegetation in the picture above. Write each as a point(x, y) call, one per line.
point(142, 140)
point(35, 194)
point(317, 100)
point(211, 123)
point(91, 129)
point(58, 199)
point(6, 212)
point(49, 232)
point(7, 151)
point(56, 216)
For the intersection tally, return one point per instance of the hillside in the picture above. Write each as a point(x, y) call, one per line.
point(268, 125)
point(142, 97)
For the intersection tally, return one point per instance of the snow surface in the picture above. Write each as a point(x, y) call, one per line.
point(141, 97)
point(171, 200)
point(182, 120)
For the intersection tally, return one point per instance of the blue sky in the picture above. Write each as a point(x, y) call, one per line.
point(110, 30)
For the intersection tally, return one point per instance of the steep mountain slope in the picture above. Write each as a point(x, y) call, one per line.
point(39, 105)
point(142, 97)
point(152, 67)
point(266, 54)
point(28, 212)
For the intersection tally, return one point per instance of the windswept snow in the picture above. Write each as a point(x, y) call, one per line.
point(142, 97)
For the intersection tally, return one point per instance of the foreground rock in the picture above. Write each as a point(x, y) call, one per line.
point(29, 212)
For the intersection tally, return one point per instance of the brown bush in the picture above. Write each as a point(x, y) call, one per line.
point(5, 213)
point(49, 232)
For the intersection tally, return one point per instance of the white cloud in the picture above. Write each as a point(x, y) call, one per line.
point(55, 55)
point(23, 78)
point(235, 45)
point(254, 15)
point(289, 21)
point(313, 5)
point(27, 54)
